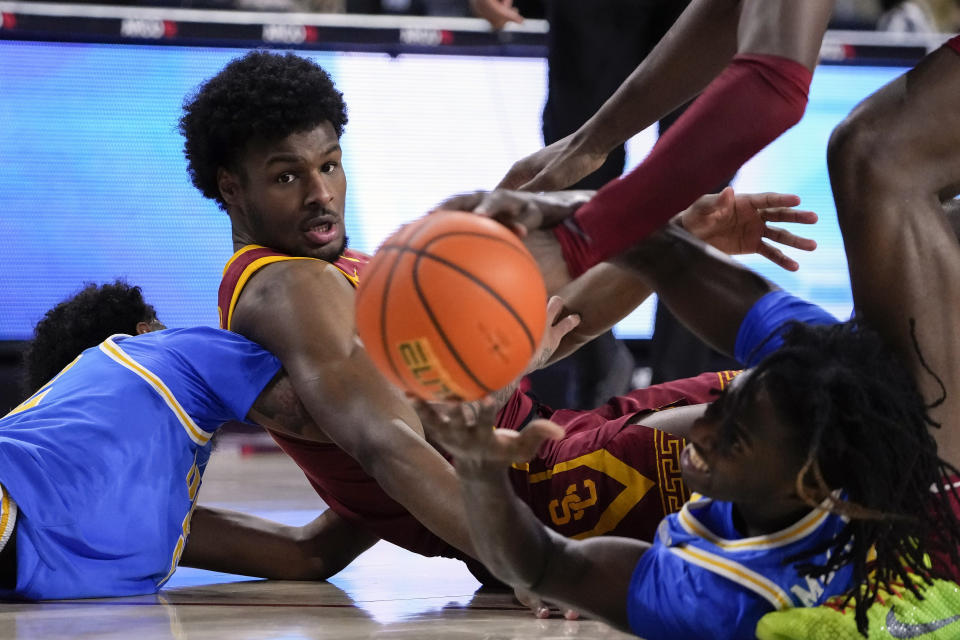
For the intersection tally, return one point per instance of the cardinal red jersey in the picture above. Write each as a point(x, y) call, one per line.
point(608, 475)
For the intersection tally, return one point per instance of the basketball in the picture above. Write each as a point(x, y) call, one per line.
point(452, 304)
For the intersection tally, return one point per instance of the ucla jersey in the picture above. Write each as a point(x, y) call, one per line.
point(701, 579)
point(104, 462)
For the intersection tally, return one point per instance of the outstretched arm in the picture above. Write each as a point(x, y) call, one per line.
point(710, 293)
point(590, 576)
point(760, 94)
point(232, 542)
point(343, 392)
point(734, 224)
point(693, 52)
point(688, 57)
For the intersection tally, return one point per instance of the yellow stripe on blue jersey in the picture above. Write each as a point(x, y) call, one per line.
point(736, 572)
point(787, 536)
point(35, 399)
point(8, 516)
point(117, 354)
point(688, 586)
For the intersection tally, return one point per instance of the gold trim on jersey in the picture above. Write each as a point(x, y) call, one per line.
point(673, 492)
point(726, 377)
point(259, 263)
point(636, 485)
point(736, 572)
point(248, 272)
point(794, 532)
point(8, 516)
point(117, 354)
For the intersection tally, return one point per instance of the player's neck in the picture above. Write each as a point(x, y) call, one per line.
point(758, 519)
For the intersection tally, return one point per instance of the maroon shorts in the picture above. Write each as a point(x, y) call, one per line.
point(608, 476)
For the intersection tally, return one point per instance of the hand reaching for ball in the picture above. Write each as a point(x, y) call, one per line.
point(466, 431)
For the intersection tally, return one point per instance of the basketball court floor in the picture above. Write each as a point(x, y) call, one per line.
point(386, 593)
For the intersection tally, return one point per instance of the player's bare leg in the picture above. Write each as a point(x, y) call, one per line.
point(893, 162)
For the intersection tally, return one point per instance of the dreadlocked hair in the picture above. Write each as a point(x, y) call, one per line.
point(82, 321)
point(261, 96)
point(864, 425)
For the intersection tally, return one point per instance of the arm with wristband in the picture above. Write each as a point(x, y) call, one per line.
point(764, 52)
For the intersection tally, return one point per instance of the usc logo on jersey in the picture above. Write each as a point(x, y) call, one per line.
point(572, 505)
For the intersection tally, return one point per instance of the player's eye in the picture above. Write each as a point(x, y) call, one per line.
point(329, 167)
point(286, 178)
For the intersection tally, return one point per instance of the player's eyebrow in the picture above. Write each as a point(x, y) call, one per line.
point(288, 157)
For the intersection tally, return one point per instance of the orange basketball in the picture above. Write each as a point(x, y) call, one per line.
point(451, 304)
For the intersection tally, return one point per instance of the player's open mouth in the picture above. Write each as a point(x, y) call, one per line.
point(321, 233)
point(691, 459)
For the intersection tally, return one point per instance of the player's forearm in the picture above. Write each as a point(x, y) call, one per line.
point(507, 537)
point(239, 543)
point(602, 297)
point(414, 474)
point(709, 292)
point(690, 55)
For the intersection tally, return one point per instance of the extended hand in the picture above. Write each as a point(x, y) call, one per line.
point(556, 166)
point(737, 224)
point(519, 210)
point(468, 434)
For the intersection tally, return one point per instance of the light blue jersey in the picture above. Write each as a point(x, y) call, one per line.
point(701, 579)
point(104, 462)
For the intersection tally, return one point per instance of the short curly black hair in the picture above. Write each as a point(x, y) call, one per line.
point(261, 96)
point(82, 321)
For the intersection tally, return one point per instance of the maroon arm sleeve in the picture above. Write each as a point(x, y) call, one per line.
point(754, 100)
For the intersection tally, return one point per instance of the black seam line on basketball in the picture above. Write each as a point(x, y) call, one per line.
point(503, 242)
point(433, 319)
point(424, 253)
point(383, 317)
point(385, 298)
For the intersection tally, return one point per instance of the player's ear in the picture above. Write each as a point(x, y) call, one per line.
point(229, 185)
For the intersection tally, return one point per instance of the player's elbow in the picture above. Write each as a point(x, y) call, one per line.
point(852, 144)
point(380, 462)
point(862, 157)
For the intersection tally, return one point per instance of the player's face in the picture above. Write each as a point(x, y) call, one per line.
point(290, 196)
point(755, 458)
